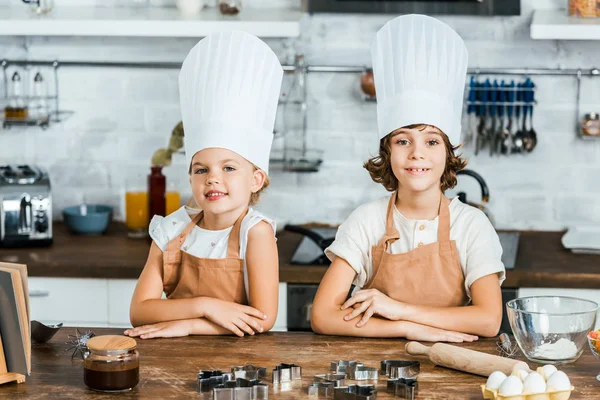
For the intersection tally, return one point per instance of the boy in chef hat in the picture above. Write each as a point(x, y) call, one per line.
point(219, 267)
point(427, 267)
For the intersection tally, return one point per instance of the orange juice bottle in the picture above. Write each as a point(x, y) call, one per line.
point(136, 213)
point(173, 201)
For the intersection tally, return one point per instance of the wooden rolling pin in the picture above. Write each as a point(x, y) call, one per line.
point(466, 360)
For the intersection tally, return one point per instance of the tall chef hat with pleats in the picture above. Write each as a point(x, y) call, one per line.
point(229, 87)
point(420, 68)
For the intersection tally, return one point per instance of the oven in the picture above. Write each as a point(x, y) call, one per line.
point(459, 7)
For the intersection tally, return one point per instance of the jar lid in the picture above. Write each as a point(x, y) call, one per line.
point(592, 115)
point(111, 343)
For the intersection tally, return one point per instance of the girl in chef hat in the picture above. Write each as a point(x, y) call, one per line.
point(219, 267)
point(427, 267)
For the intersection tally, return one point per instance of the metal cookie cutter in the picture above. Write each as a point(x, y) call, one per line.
point(354, 370)
point(355, 392)
point(324, 384)
point(340, 367)
point(394, 369)
point(405, 388)
point(241, 389)
point(249, 371)
point(284, 373)
point(207, 380)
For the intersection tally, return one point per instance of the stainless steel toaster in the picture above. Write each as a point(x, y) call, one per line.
point(25, 206)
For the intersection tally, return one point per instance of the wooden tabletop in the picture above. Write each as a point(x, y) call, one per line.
point(169, 367)
point(542, 261)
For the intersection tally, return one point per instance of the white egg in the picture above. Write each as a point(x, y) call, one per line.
point(511, 386)
point(495, 380)
point(558, 381)
point(548, 370)
point(520, 373)
point(534, 383)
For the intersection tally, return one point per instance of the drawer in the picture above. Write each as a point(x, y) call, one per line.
point(73, 301)
point(119, 300)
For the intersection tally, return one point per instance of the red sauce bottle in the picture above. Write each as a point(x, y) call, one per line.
point(156, 189)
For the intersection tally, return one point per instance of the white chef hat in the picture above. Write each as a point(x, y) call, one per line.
point(420, 68)
point(229, 88)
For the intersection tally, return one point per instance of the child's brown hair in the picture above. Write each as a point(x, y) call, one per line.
point(380, 166)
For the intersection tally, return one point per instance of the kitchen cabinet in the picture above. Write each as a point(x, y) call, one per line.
point(98, 302)
point(588, 294)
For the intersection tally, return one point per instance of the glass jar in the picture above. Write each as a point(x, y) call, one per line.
point(583, 8)
point(591, 125)
point(111, 363)
point(230, 7)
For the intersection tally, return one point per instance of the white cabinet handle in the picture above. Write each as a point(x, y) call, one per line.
point(39, 293)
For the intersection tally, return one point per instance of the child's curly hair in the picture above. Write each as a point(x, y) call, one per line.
point(380, 167)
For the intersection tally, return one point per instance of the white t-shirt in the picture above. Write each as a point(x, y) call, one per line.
point(477, 242)
point(201, 242)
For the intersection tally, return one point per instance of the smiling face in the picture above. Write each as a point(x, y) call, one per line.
point(418, 158)
point(222, 181)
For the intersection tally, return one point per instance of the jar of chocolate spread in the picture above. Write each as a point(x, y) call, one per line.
point(112, 363)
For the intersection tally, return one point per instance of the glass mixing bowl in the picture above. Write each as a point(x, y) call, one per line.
point(551, 329)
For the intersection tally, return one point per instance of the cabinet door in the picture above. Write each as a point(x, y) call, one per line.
point(72, 301)
point(588, 294)
point(119, 299)
point(281, 321)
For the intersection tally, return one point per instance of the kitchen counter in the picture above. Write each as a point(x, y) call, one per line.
point(541, 262)
point(168, 367)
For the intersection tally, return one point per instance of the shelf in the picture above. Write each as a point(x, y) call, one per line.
point(557, 25)
point(151, 22)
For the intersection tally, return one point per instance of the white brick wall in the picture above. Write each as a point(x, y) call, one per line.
point(123, 115)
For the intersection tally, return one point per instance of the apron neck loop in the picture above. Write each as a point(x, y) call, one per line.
point(233, 246)
point(391, 232)
point(444, 220)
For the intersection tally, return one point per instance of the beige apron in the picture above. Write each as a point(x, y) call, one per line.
point(428, 275)
point(185, 275)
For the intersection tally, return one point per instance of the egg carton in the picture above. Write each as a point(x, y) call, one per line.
point(492, 394)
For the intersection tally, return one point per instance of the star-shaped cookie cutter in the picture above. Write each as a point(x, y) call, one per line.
point(208, 379)
point(354, 370)
point(355, 392)
point(404, 388)
point(284, 373)
point(395, 369)
point(323, 384)
point(241, 389)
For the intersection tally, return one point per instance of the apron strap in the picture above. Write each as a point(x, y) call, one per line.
point(233, 245)
point(391, 232)
point(444, 220)
point(175, 244)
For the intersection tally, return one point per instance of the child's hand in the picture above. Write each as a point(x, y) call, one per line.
point(371, 302)
point(237, 318)
point(426, 333)
point(162, 329)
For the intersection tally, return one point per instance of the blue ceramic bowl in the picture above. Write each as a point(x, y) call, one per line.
point(94, 222)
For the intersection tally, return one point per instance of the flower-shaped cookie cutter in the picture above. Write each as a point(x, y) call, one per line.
point(395, 369)
point(355, 392)
point(404, 388)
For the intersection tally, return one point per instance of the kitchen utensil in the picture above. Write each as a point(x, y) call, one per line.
point(360, 372)
point(367, 83)
point(471, 112)
point(590, 126)
point(41, 333)
point(241, 389)
point(395, 369)
point(284, 373)
point(78, 342)
point(502, 133)
point(518, 139)
point(87, 220)
point(466, 360)
point(595, 349)
point(249, 372)
point(355, 392)
point(485, 193)
point(508, 142)
point(491, 133)
point(208, 379)
point(551, 329)
point(230, 7)
point(321, 389)
point(25, 206)
point(531, 134)
point(404, 388)
point(505, 346)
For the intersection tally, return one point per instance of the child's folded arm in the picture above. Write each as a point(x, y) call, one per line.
point(262, 263)
point(328, 318)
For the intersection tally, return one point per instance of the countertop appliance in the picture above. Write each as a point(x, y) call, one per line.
point(437, 7)
point(25, 206)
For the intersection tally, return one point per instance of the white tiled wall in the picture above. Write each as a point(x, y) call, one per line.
point(123, 115)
